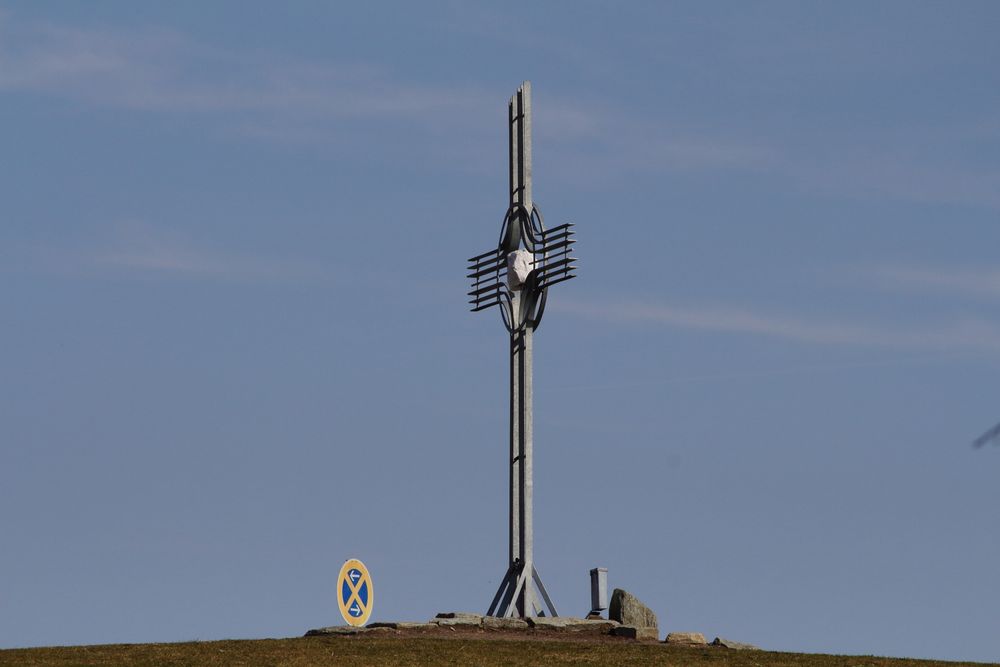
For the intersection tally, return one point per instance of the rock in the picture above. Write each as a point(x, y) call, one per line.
point(736, 646)
point(456, 623)
point(571, 624)
point(415, 626)
point(686, 639)
point(494, 623)
point(632, 632)
point(628, 610)
point(465, 615)
point(551, 622)
point(401, 625)
point(335, 630)
point(458, 619)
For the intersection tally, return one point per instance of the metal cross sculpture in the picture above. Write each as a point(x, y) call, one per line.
point(515, 276)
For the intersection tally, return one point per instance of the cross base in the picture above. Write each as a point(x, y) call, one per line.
point(519, 584)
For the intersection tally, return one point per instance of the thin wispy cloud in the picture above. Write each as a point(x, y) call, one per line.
point(805, 369)
point(272, 98)
point(140, 249)
point(145, 248)
point(972, 335)
point(976, 282)
point(598, 141)
point(194, 263)
point(882, 170)
point(317, 103)
point(164, 72)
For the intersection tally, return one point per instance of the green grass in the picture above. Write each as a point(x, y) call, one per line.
point(424, 650)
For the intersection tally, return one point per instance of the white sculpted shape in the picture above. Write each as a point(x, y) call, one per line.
point(519, 265)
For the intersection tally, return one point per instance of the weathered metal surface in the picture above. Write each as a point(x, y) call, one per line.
point(598, 590)
point(521, 300)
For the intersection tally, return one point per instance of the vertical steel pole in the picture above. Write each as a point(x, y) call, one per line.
point(520, 346)
point(514, 163)
point(527, 539)
point(518, 594)
point(515, 446)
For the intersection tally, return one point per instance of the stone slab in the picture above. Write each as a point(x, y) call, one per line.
point(401, 625)
point(572, 624)
point(494, 623)
point(456, 623)
point(686, 639)
point(460, 615)
point(333, 630)
point(633, 632)
point(341, 630)
point(736, 646)
point(458, 619)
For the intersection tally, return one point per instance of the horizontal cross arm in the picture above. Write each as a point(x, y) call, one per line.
point(556, 233)
point(558, 228)
point(565, 243)
point(545, 284)
point(551, 266)
point(485, 255)
point(492, 268)
point(484, 290)
point(485, 305)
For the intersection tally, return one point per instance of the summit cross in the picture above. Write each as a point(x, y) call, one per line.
point(515, 277)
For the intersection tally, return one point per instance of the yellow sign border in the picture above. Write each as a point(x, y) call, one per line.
point(355, 564)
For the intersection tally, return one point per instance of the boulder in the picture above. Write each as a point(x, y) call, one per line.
point(736, 646)
point(632, 632)
point(628, 610)
point(686, 639)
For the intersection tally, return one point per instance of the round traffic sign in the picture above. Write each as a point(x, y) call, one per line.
point(354, 592)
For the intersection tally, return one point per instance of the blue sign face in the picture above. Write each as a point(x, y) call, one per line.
point(347, 592)
point(354, 592)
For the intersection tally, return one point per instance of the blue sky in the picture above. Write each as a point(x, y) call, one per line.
point(236, 351)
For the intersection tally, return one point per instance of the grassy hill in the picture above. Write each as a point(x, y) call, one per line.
point(455, 649)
